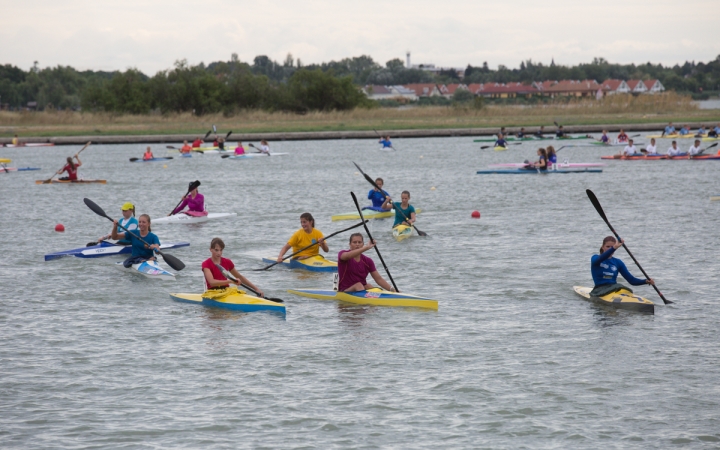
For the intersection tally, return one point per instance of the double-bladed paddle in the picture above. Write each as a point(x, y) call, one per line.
point(600, 211)
point(370, 180)
point(170, 259)
point(137, 159)
point(362, 218)
point(305, 248)
point(195, 184)
point(509, 143)
point(230, 277)
point(53, 176)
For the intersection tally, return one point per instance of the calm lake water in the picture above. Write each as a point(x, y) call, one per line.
point(94, 357)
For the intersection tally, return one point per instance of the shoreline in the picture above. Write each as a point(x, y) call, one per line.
point(330, 135)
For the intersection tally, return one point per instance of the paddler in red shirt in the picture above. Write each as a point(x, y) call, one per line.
point(197, 142)
point(214, 278)
point(71, 168)
point(148, 155)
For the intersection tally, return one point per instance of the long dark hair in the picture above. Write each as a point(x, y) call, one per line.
point(550, 151)
point(70, 161)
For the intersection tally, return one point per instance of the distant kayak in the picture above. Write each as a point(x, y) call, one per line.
point(367, 214)
point(255, 155)
point(148, 269)
point(714, 198)
point(316, 263)
point(186, 155)
point(525, 139)
point(71, 182)
point(236, 300)
point(161, 158)
point(30, 144)
point(375, 296)
point(622, 299)
point(665, 157)
point(402, 232)
point(105, 249)
point(676, 136)
point(560, 165)
point(186, 218)
point(17, 169)
point(536, 172)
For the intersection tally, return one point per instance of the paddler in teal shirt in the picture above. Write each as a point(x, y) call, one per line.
point(404, 211)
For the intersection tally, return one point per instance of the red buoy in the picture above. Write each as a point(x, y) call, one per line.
point(59, 227)
point(475, 214)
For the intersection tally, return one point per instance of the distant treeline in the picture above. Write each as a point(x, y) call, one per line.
point(229, 86)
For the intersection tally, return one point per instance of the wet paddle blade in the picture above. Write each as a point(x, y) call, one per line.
point(172, 261)
point(95, 208)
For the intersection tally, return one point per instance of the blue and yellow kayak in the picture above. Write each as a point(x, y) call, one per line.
point(368, 214)
point(316, 263)
point(402, 232)
point(623, 299)
point(535, 171)
point(375, 296)
point(233, 299)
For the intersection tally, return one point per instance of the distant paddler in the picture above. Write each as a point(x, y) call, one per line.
point(605, 268)
point(715, 132)
point(540, 133)
point(695, 149)
point(71, 168)
point(264, 147)
point(551, 157)
point(239, 150)
point(669, 129)
point(306, 236)
point(354, 267)
point(15, 141)
point(622, 137)
point(185, 149)
point(148, 155)
point(194, 201)
point(674, 150)
point(377, 196)
point(214, 277)
point(520, 134)
point(404, 211)
point(501, 142)
point(684, 131)
point(197, 142)
point(701, 132)
point(560, 133)
point(651, 149)
point(128, 222)
point(386, 143)
point(541, 163)
point(604, 139)
point(140, 251)
point(630, 149)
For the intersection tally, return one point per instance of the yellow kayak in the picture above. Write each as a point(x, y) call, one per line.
point(623, 299)
point(676, 136)
point(500, 149)
point(5, 161)
point(231, 298)
point(714, 197)
point(375, 296)
point(402, 232)
point(316, 263)
point(368, 214)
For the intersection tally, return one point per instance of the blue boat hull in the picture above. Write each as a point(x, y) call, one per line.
point(105, 249)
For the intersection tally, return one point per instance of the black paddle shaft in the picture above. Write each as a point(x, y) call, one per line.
point(311, 245)
point(370, 180)
point(362, 218)
point(598, 208)
point(170, 259)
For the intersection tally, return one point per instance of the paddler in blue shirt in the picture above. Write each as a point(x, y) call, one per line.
point(520, 134)
point(128, 220)
point(685, 130)
point(377, 197)
point(701, 132)
point(715, 132)
point(560, 133)
point(385, 141)
point(669, 129)
point(501, 142)
point(404, 211)
point(140, 251)
point(541, 132)
point(605, 270)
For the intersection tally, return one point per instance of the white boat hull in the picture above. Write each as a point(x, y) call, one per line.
point(184, 218)
point(149, 269)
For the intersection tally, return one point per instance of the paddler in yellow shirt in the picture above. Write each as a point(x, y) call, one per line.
point(305, 236)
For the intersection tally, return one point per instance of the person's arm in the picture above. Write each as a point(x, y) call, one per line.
point(245, 281)
point(597, 260)
point(182, 206)
point(346, 256)
point(628, 276)
point(114, 234)
point(388, 203)
point(212, 281)
point(283, 250)
point(412, 217)
point(370, 194)
point(323, 244)
point(381, 282)
point(79, 163)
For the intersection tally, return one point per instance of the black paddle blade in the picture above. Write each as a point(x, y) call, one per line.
point(484, 147)
point(228, 134)
point(273, 299)
point(172, 261)
point(598, 208)
point(207, 134)
point(224, 156)
point(170, 147)
point(95, 208)
point(133, 159)
point(169, 157)
point(91, 244)
point(195, 184)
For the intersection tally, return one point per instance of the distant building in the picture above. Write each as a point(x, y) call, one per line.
point(378, 92)
point(502, 90)
point(637, 86)
point(426, 89)
point(654, 86)
point(450, 89)
point(615, 87)
point(574, 88)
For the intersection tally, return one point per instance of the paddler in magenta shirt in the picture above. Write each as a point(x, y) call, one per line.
point(354, 267)
point(605, 269)
point(304, 237)
point(377, 197)
point(195, 203)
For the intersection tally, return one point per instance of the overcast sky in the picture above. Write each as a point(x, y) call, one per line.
point(151, 35)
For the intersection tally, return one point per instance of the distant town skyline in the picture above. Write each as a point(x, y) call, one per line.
point(152, 36)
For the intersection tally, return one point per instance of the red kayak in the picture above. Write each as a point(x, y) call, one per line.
point(655, 157)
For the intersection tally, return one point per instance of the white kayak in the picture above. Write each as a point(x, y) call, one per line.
point(185, 218)
point(255, 155)
point(216, 152)
point(149, 269)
